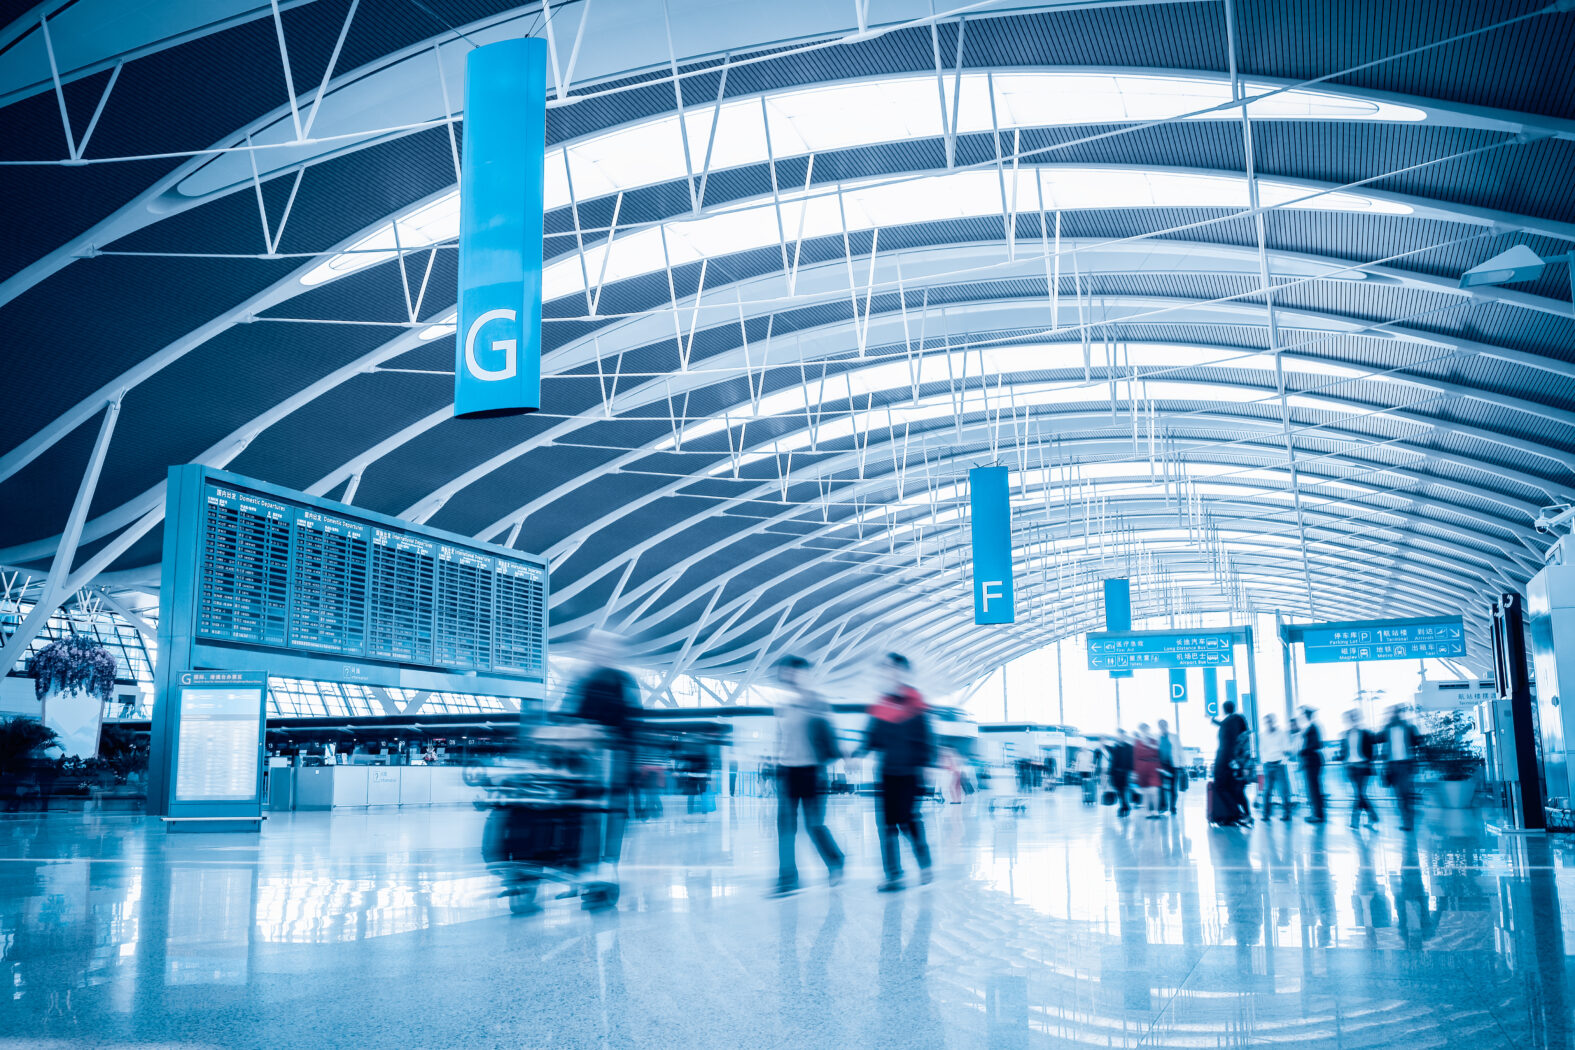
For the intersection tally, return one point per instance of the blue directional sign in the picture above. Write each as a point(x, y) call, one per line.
point(1411, 639)
point(1127, 650)
point(1178, 686)
point(990, 497)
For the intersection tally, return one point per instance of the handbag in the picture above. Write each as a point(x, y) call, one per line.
point(1181, 780)
point(823, 740)
point(1108, 798)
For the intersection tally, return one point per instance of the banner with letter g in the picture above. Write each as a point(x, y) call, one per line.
point(497, 352)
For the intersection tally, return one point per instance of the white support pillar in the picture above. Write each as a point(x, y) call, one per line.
point(56, 586)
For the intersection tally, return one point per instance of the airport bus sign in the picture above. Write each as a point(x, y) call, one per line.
point(1139, 650)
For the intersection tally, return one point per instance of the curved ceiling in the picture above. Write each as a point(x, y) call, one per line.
point(1189, 270)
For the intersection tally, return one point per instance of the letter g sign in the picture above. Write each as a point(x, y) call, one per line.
point(509, 347)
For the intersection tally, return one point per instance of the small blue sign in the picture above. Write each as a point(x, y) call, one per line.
point(1211, 692)
point(497, 352)
point(1178, 685)
point(1412, 639)
point(1118, 612)
point(990, 495)
point(1124, 650)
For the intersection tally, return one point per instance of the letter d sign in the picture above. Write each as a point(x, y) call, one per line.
point(497, 359)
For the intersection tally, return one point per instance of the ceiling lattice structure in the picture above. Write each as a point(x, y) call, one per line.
point(1188, 269)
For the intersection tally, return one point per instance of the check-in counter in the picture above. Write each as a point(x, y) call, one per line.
point(336, 787)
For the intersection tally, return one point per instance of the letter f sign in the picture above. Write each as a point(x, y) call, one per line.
point(990, 589)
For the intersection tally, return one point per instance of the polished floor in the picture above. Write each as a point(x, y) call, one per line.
point(1061, 926)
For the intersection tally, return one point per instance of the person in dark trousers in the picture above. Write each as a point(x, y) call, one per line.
point(1227, 780)
point(806, 743)
point(899, 730)
point(1122, 762)
point(1311, 752)
point(1274, 747)
point(1357, 749)
point(1169, 760)
point(608, 696)
point(1400, 741)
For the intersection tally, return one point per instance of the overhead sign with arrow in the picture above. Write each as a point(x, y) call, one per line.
point(1411, 639)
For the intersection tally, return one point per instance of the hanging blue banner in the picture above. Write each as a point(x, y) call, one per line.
point(1118, 613)
point(1211, 692)
point(990, 494)
point(497, 352)
point(1178, 685)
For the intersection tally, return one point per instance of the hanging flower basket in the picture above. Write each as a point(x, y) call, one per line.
point(74, 664)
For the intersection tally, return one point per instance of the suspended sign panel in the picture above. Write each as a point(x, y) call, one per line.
point(1408, 639)
point(497, 351)
point(990, 496)
point(1118, 612)
point(1127, 650)
point(1178, 686)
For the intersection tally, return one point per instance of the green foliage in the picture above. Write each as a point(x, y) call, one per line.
point(21, 737)
point(74, 663)
point(1446, 745)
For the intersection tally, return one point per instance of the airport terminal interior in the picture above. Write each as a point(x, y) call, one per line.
point(845, 523)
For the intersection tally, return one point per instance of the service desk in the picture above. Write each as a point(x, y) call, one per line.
point(336, 787)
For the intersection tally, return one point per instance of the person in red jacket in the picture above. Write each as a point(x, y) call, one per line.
point(899, 732)
point(1145, 763)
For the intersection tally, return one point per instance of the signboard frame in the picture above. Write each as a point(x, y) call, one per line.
point(174, 722)
point(1167, 659)
point(183, 647)
point(1320, 653)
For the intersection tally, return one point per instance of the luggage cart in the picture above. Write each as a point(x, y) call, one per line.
point(550, 811)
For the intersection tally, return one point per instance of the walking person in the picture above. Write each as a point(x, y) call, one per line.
point(899, 731)
point(1227, 766)
point(806, 744)
point(1169, 779)
point(1273, 745)
point(1311, 752)
point(1357, 749)
point(1145, 764)
point(1120, 765)
point(1400, 741)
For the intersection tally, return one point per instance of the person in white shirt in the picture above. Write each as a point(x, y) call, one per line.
point(806, 742)
point(1399, 742)
point(1276, 776)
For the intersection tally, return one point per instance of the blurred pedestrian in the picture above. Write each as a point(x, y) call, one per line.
point(1229, 786)
point(1272, 746)
point(1169, 756)
point(1145, 765)
point(1357, 747)
point(1121, 766)
point(806, 743)
point(1311, 752)
point(1400, 742)
point(899, 732)
point(606, 695)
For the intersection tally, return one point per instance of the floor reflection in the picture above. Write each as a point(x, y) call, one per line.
point(1061, 926)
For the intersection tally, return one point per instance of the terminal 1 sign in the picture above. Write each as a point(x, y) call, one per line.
point(1407, 639)
point(1138, 650)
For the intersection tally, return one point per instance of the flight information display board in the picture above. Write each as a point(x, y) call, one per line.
point(1138, 650)
point(325, 580)
point(219, 752)
point(1411, 639)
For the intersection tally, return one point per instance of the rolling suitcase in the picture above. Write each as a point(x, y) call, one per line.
point(1216, 806)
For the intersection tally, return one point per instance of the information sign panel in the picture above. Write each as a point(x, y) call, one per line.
point(1330, 643)
point(1121, 650)
point(219, 735)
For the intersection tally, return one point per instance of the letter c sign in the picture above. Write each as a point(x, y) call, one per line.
point(509, 347)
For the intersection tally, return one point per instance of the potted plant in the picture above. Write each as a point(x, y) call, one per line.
point(74, 677)
point(26, 772)
point(1448, 752)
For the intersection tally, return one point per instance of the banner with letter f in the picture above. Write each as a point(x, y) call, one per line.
point(990, 497)
point(497, 352)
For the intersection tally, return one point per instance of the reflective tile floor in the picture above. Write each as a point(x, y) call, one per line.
point(1058, 927)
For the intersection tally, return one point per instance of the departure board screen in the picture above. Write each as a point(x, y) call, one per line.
point(310, 579)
